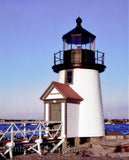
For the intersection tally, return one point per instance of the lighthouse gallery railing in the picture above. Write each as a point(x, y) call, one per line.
point(97, 56)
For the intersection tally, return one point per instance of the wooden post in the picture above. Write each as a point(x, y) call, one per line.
point(76, 141)
point(64, 146)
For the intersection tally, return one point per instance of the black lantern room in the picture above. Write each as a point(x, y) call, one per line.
point(79, 51)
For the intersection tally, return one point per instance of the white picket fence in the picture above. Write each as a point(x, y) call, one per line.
point(26, 131)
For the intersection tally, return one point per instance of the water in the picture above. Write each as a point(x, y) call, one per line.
point(29, 127)
point(121, 127)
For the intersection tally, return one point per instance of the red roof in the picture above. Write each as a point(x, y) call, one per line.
point(66, 90)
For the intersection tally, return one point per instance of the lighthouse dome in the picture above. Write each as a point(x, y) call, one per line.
point(80, 31)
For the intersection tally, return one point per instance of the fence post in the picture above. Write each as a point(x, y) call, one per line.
point(60, 57)
point(97, 57)
point(11, 144)
point(40, 132)
point(24, 129)
point(103, 59)
point(12, 132)
point(54, 59)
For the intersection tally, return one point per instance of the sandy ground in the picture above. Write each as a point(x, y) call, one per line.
point(88, 151)
point(56, 156)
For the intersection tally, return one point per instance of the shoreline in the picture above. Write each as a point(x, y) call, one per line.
point(95, 149)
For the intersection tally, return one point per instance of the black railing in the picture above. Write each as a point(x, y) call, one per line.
point(99, 57)
point(58, 58)
point(79, 56)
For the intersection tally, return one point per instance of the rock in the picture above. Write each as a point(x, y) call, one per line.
point(110, 137)
point(94, 140)
point(86, 145)
point(118, 155)
point(113, 133)
point(125, 146)
point(127, 136)
point(101, 147)
point(111, 143)
point(97, 152)
point(125, 143)
point(124, 149)
point(120, 137)
point(85, 154)
point(97, 146)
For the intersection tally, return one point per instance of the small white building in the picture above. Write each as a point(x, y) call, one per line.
point(76, 98)
point(61, 103)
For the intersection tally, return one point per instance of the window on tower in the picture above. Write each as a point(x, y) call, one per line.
point(69, 77)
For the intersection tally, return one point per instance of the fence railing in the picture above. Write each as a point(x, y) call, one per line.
point(25, 132)
point(28, 130)
point(58, 58)
point(98, 57)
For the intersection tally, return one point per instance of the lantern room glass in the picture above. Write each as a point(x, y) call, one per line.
point(78, 42)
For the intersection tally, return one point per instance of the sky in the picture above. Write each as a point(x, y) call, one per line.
point(31, 32)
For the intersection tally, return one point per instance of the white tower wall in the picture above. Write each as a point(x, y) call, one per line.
point(86, 83)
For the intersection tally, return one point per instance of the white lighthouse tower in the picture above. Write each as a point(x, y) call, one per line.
point(79, 66)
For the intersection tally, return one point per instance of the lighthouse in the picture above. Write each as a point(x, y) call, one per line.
point(76, 98)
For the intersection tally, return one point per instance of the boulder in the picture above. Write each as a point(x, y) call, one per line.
point(110, 137)
point(118, 155)
point(124, 149)
point(113, 133)
point(111, 143)
point(94, 140)
point(120, 137)
point(97, 152)
point(104, 146)
point(97, 146)
point(125, 146)
point(125, 143)
point(126, 136)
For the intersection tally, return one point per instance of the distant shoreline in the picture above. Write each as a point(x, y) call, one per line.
point(105, 120)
